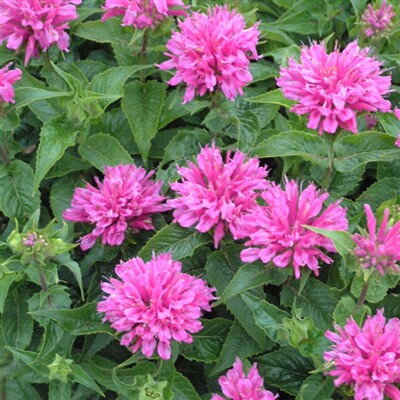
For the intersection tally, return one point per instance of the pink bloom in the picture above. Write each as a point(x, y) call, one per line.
point(276, 229)
point(154, 303)
point(396, 112)
point(381, 249)
point(333, 88)
point(367, 358)
point(237, 386)
point(143, 13)
point(397, 142)
point(371, 120)
point(124, 200)
point(214, 193)
point(7, 79)
point(212, 51)
point(377, 20)
point(36, 24)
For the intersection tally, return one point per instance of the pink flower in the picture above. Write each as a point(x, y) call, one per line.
point(381, 249)
point(214, 193)
point(154, 303)
point(276, 229)
point(212, 51)
point(333, 88)
point(124, 200)
point(143, 13)
point(7, 79)
point(237, 386)
point(396, 112)
point(367, 358)
point(377, 20)
point(397, 142)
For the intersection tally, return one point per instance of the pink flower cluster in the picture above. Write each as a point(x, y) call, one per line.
point(143, 13)
point(397, 142)
point(377, 20)
point(380, 250)
point(276, 229)
point(7, 79)
point(332, 88)
point(214, 193)
point(367, 358)
point(36, 24)
point(124, 200)
point(212, 52)
point(154, 303)
point(237, 386)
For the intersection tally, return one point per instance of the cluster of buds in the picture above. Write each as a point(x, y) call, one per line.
point(33, 239)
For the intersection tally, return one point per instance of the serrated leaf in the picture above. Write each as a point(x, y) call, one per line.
point(20, 389)
point(109, 31)
point(73, 266)
point(285, 368)
point(309, 146)
point(275, 97)
point(16, 188)
point(84, 320)
point(383, 190)
point(6, 281)
point(104, 150)
point(27, 95)
point(60, 196)
point(345, 308)
point(55, 137)
point(182, 388)
point(79, 375)
point(181, 242)
point(316, 387)
point(142, 104)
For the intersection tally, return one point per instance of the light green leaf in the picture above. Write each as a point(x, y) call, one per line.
point(275, 97)
point(316, 387)
point(181, 242)
point(79, 375)
point(109, 31)
point(142, 104)
point(104, 150)
point(27, 95)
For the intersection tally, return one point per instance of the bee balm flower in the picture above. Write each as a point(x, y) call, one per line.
point(381, 249)
point(36, 24)
point(276, 229)
point(126, 199)
point(214, 193)
point(7, 79)
point(377, 20)
point(212, 52)
point(143, 13)
point(332, 88)
point(367, 358)
point(237, 386)
point(154, 303)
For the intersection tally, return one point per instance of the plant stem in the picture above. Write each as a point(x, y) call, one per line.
point(329, 141)
point(4, 151)
point(362, 297)
point(42, 280)
point(143, 54)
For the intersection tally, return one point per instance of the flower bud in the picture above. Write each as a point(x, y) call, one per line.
point(60, 368)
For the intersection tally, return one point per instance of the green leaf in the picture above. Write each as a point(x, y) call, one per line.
point(391, 304)
point(16, 324)
point(310, 301)
point(109, 31)
point(56, 136)
point(267, 316)
point(72, 81)
point(79, 375)
point(16, 188)
point(309, 146)
point(238, 343)
point(67, 164)
point(207, 344)
point(285, 368)
point(316, 387)
point(104, 150)
point(181, 242)
point(275, 97)
point(60, 196)
point(19, 389)
point(84, 320)
point(383, 190)
point(73, 266)
point(341, 239)
point(345, 308)
point(27, 95)
point(182, 388)
point(390, 123)
point(142, 104)
point(60, 390)
point(250, 276)
point(30, 358)
point(6, 280)
point(295, 21)
point(111, 82)
point(351, 150)
point(185, 144)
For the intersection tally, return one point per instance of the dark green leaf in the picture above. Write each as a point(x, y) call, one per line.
point(316, 387)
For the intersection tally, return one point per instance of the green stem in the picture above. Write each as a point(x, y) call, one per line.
point(4, 150)
point(361, 299)
point(42, 280)
point(329, 141)
point(143, 54)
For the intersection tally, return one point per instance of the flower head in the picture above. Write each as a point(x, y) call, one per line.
point(276, 229)
point(237, 386)
point(36, 24)
point(396, 112)
point(377, 20)
point(397, 142)
point(124, 200)
point(381, 249)
point(143, 13)
point(214, 193)
point(332, 88)
point(154, 303)
point(212, 51)
point(7, 79)
point(367, 358)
